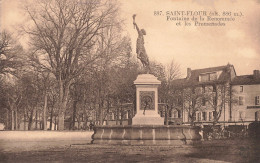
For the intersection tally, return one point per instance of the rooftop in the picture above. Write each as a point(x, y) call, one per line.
point(245, 80)
point(193, 76)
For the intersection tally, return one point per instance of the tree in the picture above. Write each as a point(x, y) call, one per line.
point(10, 54)
point(217, 96)
point(192, 101)
point(168, 94)
point(13, 99)
point(64, 38)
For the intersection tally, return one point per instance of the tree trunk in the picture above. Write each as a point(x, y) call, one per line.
point(7, 120)
point(24, 120)
point(36, 119)
point(44, 112)
point(166, 115)
point(63, 99)
point(61, 121)
point(79, 123)
point(107, 112)
point(12, 120)
point(30, 120)
point(192, 119)
point(101, 115)
point(74, 114)
point(51, 118)
point(55, 123)
point(16, 123)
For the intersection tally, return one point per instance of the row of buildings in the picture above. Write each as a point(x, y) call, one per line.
point(224, 97)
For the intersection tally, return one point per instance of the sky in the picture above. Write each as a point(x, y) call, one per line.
point(195, 47)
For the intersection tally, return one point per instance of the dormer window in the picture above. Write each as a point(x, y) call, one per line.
point(208, 77)
point(204, 77)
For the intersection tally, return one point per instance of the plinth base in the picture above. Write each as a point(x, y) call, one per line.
point(146, 135)
point(143, 120)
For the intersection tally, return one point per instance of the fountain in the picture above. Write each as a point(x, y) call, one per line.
point(147, 126)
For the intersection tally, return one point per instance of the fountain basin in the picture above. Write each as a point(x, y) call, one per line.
point(146, 135)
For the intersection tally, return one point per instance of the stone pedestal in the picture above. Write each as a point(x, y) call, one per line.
point(147, 101)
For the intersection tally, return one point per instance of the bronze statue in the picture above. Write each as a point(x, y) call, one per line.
point(140, 50)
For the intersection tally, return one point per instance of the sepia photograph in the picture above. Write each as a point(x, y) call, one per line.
point(130, 81)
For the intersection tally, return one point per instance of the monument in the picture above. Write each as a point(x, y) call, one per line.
point(147, 126)
point(146, 87)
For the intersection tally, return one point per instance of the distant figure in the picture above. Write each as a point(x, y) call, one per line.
point(140, 49)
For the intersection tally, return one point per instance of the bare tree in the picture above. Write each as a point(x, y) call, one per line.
point(172, 71)
point(217, 96)
point(192, 99)
point(169, 95)
point(64, 37)
point(10, 54)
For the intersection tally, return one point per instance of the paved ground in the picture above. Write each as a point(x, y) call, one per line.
point(68, 150)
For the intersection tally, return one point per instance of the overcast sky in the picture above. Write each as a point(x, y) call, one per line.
point(237, 43)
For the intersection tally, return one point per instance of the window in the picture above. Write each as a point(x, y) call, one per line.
point(257, 100)
point(204, 116)
point(208, 77)
point(179, 114)
point(241, 100)
point(241, 88)
point(210, 116)
point(198, 116)
point(204, 77)
point(213, 76)
point(175, 114)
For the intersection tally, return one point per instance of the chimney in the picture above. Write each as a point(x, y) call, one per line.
point(188, 73)
point(256, 74)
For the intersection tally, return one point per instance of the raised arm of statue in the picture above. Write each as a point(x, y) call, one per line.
point(135, 25)
point(138, 30)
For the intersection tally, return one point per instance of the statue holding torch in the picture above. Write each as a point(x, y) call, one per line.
point(140, 49)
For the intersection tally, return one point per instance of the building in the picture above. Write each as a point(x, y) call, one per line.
point(217, 95)
point(247, 88)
